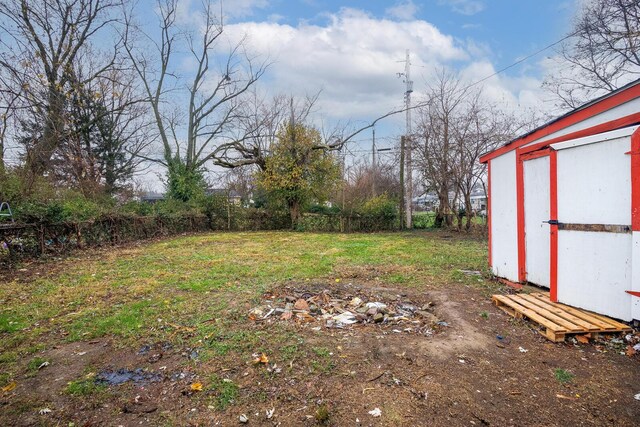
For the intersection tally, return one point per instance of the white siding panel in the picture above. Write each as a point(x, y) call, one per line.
point(594, 187)
point(594, 270)
point(594, 183)
point(635, 275)
point(536, 210)
point(504, 231)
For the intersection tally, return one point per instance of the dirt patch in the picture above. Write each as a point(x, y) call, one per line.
point(482, 368)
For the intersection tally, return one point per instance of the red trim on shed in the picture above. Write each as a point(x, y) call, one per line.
point(534, 155)
point(489, 211)
point(635, 180)
point(553, 213)
point(522, 256)
point(593, 130)
point(572, 118)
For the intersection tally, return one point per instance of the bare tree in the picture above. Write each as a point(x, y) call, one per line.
point(41, 43)
point(455, 126)
point(259, 125)
point(435, 143)
point(484, 129)
point(602, 55)
point(213, 98)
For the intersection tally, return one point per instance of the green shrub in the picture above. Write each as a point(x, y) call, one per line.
point(423, 220)
point(323, 209)
point(380, 206)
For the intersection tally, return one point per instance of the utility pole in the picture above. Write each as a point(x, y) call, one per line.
point(408, 185)
point(408, 142)
point(373, 164)
point(402, 195)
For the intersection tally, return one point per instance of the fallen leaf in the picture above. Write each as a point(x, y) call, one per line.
point(196, 386)
point(583, 339)
point(631, 351)
point(9, 387)
point(261, 359)
point(301, 305)
point(286, 315)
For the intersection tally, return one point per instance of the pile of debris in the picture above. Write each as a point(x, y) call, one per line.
point(336, 312)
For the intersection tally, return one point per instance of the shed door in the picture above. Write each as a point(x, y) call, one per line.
point(536, 212)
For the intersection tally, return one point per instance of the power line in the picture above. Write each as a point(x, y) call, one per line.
point(520, 61)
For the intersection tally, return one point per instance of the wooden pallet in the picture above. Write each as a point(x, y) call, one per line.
point(557, 319)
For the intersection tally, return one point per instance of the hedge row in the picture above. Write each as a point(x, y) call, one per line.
point(21, 241)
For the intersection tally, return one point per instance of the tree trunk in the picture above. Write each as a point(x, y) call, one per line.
point(1, 156)
point(294, 212)
point(441, 212)
point(468, 210)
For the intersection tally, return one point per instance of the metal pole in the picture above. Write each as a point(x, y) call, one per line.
point(374, 171)
point(409, 192)
point(402, 195)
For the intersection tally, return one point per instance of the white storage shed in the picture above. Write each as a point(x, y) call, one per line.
point(564, 206)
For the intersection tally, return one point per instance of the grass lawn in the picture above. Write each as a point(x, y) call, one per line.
point(178, 309)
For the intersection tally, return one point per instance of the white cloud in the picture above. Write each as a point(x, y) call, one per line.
point(464, 7)
point(353, 58)
point(403, 11)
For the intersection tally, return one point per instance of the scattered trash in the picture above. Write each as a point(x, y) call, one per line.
point(177, 376)
point(43, 365)
point(346, 318)
point(502, 341)
point(196, 386)
point(377, 305)
point(269, 413)
point(331, 311)
point(274, 369)
point(562, 396)
point(637, 396)
point(260, 358)
point(356, 302)
point(375, 412)
point(45, 411)
point(522, 350)
point(471, 272)
point(243, 419)
point(122, 376)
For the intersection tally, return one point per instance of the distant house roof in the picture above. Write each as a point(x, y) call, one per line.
point(151, 196)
